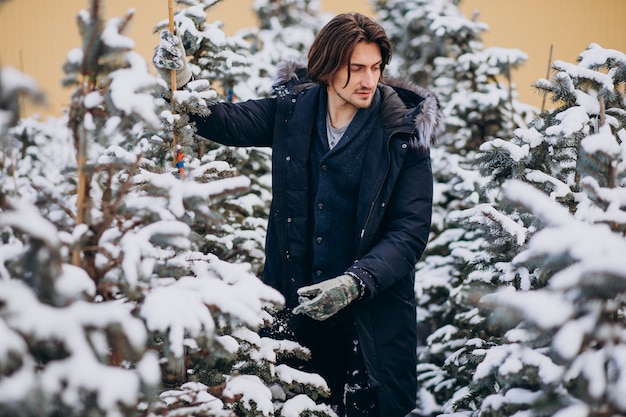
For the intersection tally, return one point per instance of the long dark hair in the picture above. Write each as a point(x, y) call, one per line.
point(333, 46)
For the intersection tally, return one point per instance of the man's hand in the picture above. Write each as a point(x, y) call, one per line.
point(323, 300)
point(170, 55)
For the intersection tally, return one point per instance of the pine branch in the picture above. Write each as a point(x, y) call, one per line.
point(92, 43)
point(109, 209)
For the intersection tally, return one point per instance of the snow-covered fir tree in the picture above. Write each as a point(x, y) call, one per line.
point(547, 337)
point(221, 61)
point(102, 271)
point(224, 60)
point(239, 236)
point(54, 338)
point(285, 31)
point(410, 27)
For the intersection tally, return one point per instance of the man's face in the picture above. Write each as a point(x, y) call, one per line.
point(365, 64)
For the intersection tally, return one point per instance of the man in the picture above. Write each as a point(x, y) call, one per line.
point(351, 209)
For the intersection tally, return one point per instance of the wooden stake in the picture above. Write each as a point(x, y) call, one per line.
point(80, 142)
point(170, 9)
point(543, 102)
point(602, 112)
point(80, 203)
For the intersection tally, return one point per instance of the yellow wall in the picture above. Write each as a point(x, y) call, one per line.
point(35, 35)
point(534, 25)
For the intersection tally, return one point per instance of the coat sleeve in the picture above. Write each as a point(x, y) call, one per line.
point(249, 123)
point(404, 229)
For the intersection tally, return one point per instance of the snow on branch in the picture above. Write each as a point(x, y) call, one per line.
point(29, 220)
point(579, 71)
point(486, 214)
point(546, 309)
point(178, 191)
point(517, 153)
point(189, 306)
point(75, 340)
point(538, 203)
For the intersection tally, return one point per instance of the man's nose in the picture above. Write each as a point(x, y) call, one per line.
point(369, 79)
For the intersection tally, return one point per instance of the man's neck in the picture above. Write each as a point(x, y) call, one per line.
point(340, 112)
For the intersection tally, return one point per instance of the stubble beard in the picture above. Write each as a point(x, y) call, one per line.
point(354, 98)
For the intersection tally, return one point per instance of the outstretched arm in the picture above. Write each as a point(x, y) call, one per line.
point(249, 123)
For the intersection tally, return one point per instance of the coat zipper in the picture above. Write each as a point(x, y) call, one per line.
point(380, 189)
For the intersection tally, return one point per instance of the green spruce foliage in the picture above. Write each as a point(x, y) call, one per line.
point(552, 316)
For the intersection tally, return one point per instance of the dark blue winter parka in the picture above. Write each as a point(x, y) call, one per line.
point(393, 215)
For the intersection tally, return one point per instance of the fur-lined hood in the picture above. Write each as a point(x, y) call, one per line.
point(401, 101)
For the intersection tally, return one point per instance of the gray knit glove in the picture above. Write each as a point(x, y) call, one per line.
point(323, 300)
point(170, 55)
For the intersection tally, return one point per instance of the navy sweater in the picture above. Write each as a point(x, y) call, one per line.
point(335, 180)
